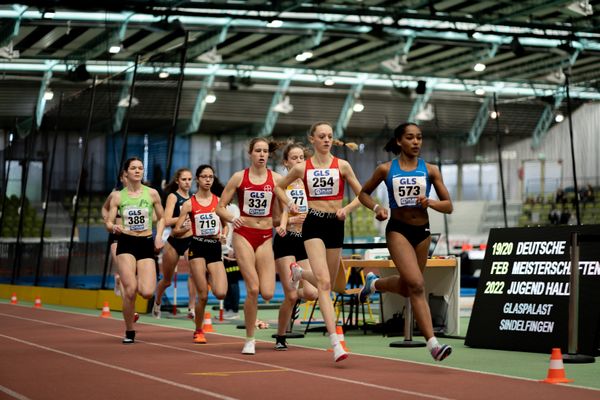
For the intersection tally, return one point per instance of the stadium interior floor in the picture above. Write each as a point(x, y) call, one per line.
point(525, 365)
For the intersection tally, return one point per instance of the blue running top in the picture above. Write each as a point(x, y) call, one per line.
point(404, 187)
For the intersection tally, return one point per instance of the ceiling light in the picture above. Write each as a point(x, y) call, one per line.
point(114, 49)
point(395, 64)
point(480, 91)
point(559, 117)
point(557, 77)
point(479, 67)
point(276, 23)
point(329, 82)
point(163, 74)
point(210, 57)
point(124, 102)
point(48, 94)
point(426, 113)
point(358, 106)
point(300, 58)
point(284, 107)
point(210, 98)
point(307, 54)
point(580, 7)
point(494, 114)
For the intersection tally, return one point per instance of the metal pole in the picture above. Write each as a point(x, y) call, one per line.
point(29, 150)
point(572, 356)
point(567, 74)
point(177, 107)
point(408, 329)
point(89, 212)
point(84, 157)
point(5, 183)
point(125, 129)
point(438, 145)
point(500, 167)
point(48, 190)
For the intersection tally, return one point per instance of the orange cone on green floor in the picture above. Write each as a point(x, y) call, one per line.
point(556, 372)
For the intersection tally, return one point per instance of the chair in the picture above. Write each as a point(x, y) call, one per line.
point(345, 295)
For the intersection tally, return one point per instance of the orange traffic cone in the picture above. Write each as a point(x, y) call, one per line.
point(38, 302)
point(13, 298)
point(207, 326)
point(105, 310)
point(556, 372)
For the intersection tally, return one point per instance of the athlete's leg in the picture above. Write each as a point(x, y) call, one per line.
point(169, 262)
point(282, 265)
point(127, 273)
point(247, 263)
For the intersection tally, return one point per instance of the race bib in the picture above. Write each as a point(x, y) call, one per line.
point(136, 219)
point(207, 224)
point(323, 182)
point(407, 189)
point(257, 203)
point(298, 196)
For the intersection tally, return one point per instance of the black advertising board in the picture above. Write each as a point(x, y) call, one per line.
point(522, 300)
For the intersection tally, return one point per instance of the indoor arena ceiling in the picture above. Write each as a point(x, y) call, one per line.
point(423, 46)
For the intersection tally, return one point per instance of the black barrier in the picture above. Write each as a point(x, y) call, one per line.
point(522, 300)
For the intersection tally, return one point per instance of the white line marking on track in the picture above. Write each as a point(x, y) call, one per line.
point(349, 381)
point(127, 370)
point(12, 393)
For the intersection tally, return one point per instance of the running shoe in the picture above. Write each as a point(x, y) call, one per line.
point(339, 354)
point(156, 311)
point(199, 337)
point(249, 347)
point(295, 275)
point(230, 315)
point(117, 287)
point(191, 314)
point(367, 290)
point(129, 337)
point(440, 352)
point(136, 316)
point(280, 344)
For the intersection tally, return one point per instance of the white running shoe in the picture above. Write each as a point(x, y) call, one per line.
point(156, 311)
point(295, 275)
point(117, 287)
point(339, 354)
point(191, 314)
point(249, 347)
point(230, 315)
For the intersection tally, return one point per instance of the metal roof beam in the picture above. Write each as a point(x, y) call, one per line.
point(286, 51)
point(124, 94)
point(441, 26)
point(272, 115)
point(541, 129)
point(310, 76)
point(480, 122)
point(200, 104)
point(347, 110)
point(213, 41)
point(105, 41)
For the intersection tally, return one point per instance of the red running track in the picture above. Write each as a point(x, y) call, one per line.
point(50, 354)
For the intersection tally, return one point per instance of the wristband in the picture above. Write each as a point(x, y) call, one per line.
point(375, 208)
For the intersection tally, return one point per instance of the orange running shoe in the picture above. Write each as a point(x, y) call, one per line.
point(199, 337)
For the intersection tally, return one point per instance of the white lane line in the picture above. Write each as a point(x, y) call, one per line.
point(349, 381)
point(12, 393)
point(127, 370)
